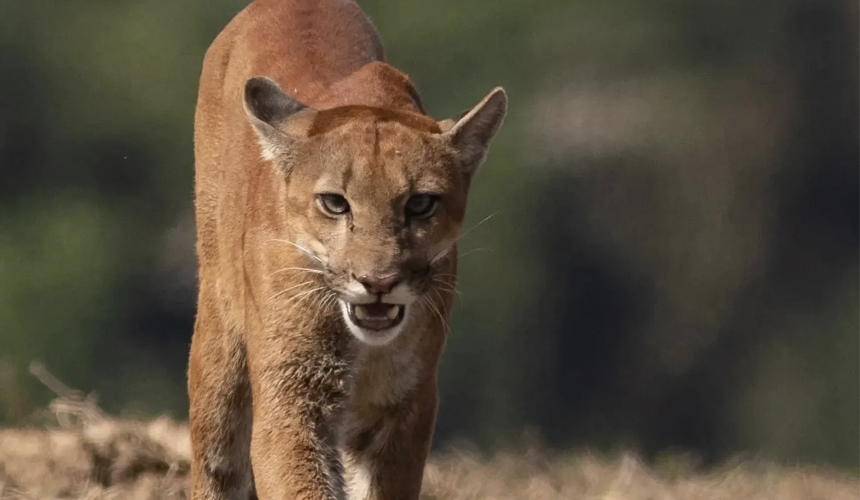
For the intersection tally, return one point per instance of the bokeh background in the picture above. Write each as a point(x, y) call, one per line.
point(672, 263)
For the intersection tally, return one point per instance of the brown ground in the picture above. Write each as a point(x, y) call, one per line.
point(90, 456)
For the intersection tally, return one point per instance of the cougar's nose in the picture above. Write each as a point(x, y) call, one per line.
point(377, 285)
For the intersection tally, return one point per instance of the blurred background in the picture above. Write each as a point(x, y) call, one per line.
point(672, 263)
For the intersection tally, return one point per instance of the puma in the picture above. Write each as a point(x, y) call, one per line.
point(328, 208)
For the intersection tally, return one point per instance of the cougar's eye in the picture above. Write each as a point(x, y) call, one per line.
point(332, 204)
point(421, 206)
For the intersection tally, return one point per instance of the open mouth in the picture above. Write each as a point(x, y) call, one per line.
point(376, 316)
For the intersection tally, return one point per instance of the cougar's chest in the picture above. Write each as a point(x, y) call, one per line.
point(383, 376)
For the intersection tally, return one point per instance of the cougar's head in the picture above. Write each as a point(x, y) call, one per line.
point(375, 198)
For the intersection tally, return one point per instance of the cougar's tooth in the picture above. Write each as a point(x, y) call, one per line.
point(360, 312)
point(393, 311)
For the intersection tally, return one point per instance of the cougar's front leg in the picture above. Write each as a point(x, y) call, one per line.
point(295, 394)
point(219, 413)
point(385, 461)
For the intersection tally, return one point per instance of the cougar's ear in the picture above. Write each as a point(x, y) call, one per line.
point(471, 132)
point(273, 115)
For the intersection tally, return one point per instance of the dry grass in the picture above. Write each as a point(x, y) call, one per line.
point(90, 456)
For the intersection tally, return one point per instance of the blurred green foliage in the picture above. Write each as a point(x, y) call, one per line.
point(672, 262)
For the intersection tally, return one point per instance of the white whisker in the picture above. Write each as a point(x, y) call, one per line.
point(326, 303)
point(303, 249)
point(473, 251)
point(318, 305)
point(446, 286)
point(432, 304)
point(444, 252)
point(288, 289)
point(314, 271)
point(303, 296)
point(441, 299)
point(485, 219)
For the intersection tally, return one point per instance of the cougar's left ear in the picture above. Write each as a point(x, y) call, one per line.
point(471, 132)
point(273, 115)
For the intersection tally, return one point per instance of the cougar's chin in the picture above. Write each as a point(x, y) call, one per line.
point(377, 323)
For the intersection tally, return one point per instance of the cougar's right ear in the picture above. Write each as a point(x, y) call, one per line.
point(271, 113)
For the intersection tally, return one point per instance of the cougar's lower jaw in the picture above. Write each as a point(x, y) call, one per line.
point(374, 324)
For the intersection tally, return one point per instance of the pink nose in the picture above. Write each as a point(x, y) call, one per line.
point(379, 286)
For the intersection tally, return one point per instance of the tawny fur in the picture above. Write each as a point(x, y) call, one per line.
point(284, 402)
